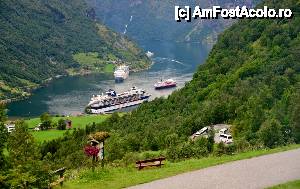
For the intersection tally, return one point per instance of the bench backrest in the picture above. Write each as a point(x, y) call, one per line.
point(151, 160)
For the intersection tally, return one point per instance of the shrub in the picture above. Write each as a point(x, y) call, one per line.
point(61, 124)
point(130, 158)
point(270, 133)
point(241, 145)
point(190, 149)
point(222, 149)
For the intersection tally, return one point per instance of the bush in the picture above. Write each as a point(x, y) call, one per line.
point(242, 145)
point(270, 133)
point(190, 149)
point(130, 158)
point(222, 149)
point(201, 147)
point(46, 120)
point(61, 124)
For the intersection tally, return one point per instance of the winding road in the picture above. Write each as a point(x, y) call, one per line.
point(259, 172)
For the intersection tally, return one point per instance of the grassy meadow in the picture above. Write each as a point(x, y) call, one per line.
point(77, 122)
point(92, 61)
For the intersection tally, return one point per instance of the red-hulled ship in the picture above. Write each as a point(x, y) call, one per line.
point(169, 83)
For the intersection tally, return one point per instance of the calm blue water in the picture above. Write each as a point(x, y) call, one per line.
point(69, 95)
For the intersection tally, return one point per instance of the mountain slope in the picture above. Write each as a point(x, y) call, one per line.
point(38, 39)
point(251, 79)
point(154, 19)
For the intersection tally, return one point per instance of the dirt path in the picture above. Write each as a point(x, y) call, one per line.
point(259, 172)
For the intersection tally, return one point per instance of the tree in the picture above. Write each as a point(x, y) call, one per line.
point(3, 136)
point(270, 133)
point(27, 171)
point(211, 140)
point(46, 120)
point(61, 124)
point(3, 116)
point(21, 145)
point(296, 118)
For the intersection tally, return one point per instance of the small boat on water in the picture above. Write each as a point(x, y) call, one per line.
point(169, 83)
point(121, 73)
point(149, 54)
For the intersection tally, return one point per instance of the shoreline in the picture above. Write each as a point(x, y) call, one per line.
point(30, 92)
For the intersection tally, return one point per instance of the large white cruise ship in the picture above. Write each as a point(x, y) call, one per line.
point(112, 101)
point(121, 73)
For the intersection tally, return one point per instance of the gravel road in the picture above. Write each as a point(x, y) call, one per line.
point(259, 172)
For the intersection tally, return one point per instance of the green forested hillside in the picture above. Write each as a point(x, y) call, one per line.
point(38, 39)
point(251, 80)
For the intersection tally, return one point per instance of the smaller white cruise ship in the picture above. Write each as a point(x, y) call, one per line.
point(121, 73)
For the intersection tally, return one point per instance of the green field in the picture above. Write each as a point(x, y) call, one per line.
point(110, 177)
point(41, 136)
point(87, 58)
point(288, 185)
point(93, 62)
point(109, 68)
point(77, 122)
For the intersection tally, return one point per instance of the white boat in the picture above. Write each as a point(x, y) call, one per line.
point(121, 73)
point(112, 101)
point(149, 54)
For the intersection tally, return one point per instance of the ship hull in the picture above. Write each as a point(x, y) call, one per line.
point(121, 74)
point(165, 87)
point(119, 79)
point(94, 110)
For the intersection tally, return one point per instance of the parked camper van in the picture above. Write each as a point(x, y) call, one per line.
point(223, 131)
point(227, 139)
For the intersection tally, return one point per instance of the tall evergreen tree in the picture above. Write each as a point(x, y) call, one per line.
point(27, 171)
point(3, 137)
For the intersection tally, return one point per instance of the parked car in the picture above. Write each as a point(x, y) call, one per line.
point(227, 139)
point(223, 131)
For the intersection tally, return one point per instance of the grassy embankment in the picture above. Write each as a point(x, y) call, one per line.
point(77, 122)
point(110, 177)
point(288, 185)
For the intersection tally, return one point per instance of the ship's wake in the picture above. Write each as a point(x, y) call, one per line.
point(169, 60)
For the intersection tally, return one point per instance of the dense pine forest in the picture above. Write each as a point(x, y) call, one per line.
point(39, 38)
point(250, 80)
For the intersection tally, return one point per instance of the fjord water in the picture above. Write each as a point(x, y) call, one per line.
point(70, 95)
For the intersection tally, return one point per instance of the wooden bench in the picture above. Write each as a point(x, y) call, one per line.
point(157, 162)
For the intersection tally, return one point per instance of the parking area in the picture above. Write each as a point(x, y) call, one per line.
point(217, 128)
point(224, 128)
